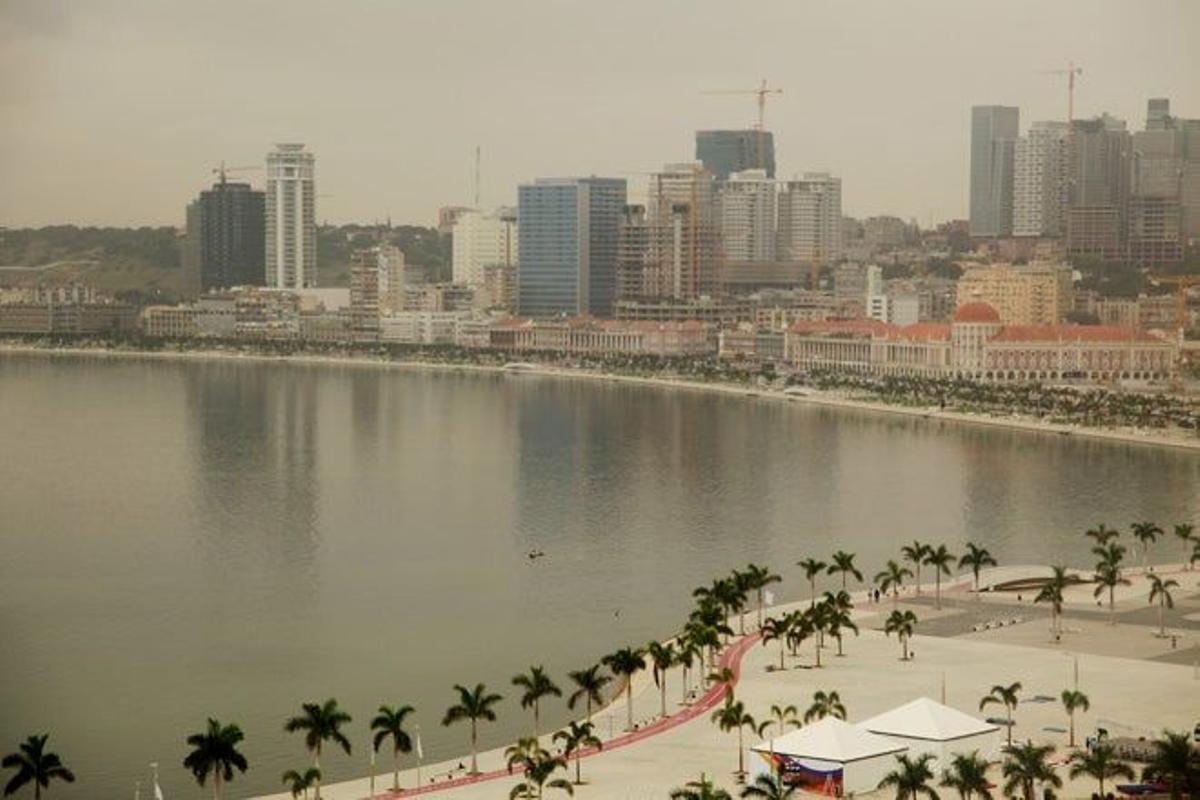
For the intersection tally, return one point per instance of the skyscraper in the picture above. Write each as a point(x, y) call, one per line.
point(1101, 150)
point(810, 219)
point(225, 232)
point(568, 233)
point(1041, 164)
point(747, 209)
point(726, 152)
point(291, 218)
point(684, 237)
point(994, 132)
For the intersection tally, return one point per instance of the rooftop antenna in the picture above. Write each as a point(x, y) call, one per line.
point(477, 176)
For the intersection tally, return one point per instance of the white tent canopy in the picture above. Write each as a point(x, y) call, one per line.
point(832, 756)
point(927, 726)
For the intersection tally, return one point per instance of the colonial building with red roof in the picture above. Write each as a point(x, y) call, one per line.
point(977, 345)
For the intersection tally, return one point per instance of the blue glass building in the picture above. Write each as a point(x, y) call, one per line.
point(567, 245)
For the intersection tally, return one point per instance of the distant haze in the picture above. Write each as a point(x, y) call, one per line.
point(112, 112)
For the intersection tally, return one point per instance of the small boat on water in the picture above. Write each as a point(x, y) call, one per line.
point(520, 366)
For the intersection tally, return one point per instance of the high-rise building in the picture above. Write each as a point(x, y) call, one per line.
point(683, 235)
point(226, 229)
point(1041, 161)
point(994, 132)
point(483, 239)
point(568, 233)
point(725, 152)
point(810, 219)
point(376, 288)
point(747, 209)
point(1097, 218)
point(291, 251)
point(633, 254)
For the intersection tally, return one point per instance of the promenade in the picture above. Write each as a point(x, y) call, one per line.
point(1135, 686)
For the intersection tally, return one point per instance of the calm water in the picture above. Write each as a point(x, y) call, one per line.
point(191, 539)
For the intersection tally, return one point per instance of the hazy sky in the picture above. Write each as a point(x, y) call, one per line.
point(114, 111)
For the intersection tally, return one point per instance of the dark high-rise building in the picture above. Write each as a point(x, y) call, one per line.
point(1097, 219)
point(725, 152)
point(567, 245)
point(994, 131)
point(226, 228)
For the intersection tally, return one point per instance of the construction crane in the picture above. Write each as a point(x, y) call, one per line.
point(1071, 72)
point(761, 93)
point(222, 169)
point(1182, 283)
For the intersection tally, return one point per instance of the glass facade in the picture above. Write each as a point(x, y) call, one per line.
point(726, 152)
point(567, 245)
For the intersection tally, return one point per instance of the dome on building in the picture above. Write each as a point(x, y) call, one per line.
point(977, 312)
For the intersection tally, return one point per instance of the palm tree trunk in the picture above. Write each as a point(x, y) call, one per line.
point(782, 666)
point(812, 585)
point(578, 779)
point(216, 785)
point(1008, 727)
point(741, 756)
point(817, 650)
point(918, 577)
point(1162, 630)
point(629, 701)
point(1071, 735)
point(760, 606)
point(938, 601)
point(317, 765)
point(839, 638)
point(1102, 786)
point(589, 709)
point(535, 719)
point(683, 685)
point(1112, 606)
point(395, 769)
point(474, 739)
point(904, 644)
point(663, 695)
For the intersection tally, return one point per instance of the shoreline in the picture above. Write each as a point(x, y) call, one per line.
point(1174, 440)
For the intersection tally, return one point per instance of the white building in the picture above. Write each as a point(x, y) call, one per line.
point(291, 218)
point(483, 239)
point(421, 327)
point(1041, 165)
point(747, 217)
point(810, 219)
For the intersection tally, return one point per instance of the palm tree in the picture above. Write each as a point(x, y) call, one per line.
point(843, 562)
point(976, 558)
point(1176, 763)
point(1052, 593)
point(34, 764)
point(626, 662)
point(967, 775)
point(892, 578)
point(825, 704)
point(321, 723)
point(537, 684)
point(911, 778)
point(782, 717)
point(1102, 534)
point(812, 568)
point(818, 621)
point(733, 717)
point(298, 783)
point(800, 627)
point(390, 722)
point(214, 751)
point(688, 654)
point(941, 560)
point(576, 738)
point(901, 623)
point(1184, 532)
point(662, 658)
point(758, 578)
point(590, 685)
point(915, 554)
point(1100, 763)
point(1028, 764)
point(702, 789)
point(839, 618)
point(1146, 533)
point(538, 766)
point(1161, 590)
point(1074, 700)
point(474, 705)
point(769, 787)
point(775, 630)
point(1108, 576)
point(1007, 697)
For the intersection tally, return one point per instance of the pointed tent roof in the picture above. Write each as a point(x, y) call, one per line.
point(831, 739)
point(927, 719)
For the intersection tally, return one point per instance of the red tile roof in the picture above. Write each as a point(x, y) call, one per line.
point(1072, 333)
point(976, 312)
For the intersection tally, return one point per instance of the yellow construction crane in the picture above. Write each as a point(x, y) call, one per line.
point(1182, 284)
point(222, 169)
point(1071, 72)
point(761, 93)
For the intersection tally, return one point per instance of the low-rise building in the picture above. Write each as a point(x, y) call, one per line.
point(590, 336)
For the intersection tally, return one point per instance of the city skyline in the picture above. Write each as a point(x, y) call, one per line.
point(102, 126)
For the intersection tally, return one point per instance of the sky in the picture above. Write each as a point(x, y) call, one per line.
point(114, 112)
